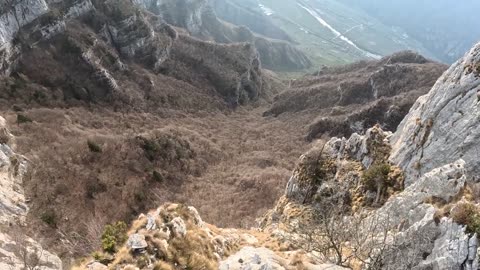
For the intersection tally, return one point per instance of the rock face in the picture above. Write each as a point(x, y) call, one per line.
point(420, 241)
point(355, 97)
point(17, 250)
point(442, 126)
point(419, 234)
point(200, 20)
point(332, 171)
point(14, 15)
point(12, 169)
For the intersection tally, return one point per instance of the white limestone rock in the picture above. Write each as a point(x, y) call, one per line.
point(254, 259)
point(443, 125)
point(419, 242)
point(178, 226)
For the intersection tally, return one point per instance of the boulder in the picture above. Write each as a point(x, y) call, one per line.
point(137, 241)
point(178, 226)
point(96, 266)
point(254, 259)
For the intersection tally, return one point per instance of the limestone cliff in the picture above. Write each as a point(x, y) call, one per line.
point(13, 16)
point(442, 126)
point(17, 249)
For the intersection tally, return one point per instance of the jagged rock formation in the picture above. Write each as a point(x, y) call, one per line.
point(13, 16)
point(442, 126)
point(200, 20)
point(17, 250)
point(174, 235)
point(355, 97)
point(332, 173)
point(432, 224)
point(418, 234)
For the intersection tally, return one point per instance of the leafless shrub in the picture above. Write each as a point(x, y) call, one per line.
point(29, 254)
point(333, 236)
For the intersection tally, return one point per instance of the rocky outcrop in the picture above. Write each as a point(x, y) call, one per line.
point(51, 16)
point(332, 171)
point(344, 100)
point(416, 236)
point(179, 238)
point(252, 258)
point(17, 250)
point(14, 15)
point(12, 169)
point(417, 233)
point(442, 126)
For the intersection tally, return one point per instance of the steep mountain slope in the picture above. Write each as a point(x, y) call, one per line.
point(355, 97)
point(101, 96)
point(200, 20)
point(345, 206)
point(117, 112)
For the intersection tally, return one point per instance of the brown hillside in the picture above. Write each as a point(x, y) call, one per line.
point(343, 100)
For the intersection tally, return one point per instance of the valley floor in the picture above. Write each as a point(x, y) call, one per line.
point(238, 181)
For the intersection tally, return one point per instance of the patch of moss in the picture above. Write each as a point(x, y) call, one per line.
point(157, 176)
point(22, 119)
point(94, 147)
point(49, 218)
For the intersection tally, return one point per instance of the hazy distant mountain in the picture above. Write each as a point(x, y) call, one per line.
point(334, 32)
point(446, 28)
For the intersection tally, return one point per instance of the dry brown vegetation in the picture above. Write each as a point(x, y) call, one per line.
point(342, 100)
point(231, 167)
point(114, 128)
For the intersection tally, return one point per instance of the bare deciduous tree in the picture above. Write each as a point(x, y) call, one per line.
point(333, 236)
point(28, 253)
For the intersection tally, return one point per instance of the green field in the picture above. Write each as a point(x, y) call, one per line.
point(347, 34)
